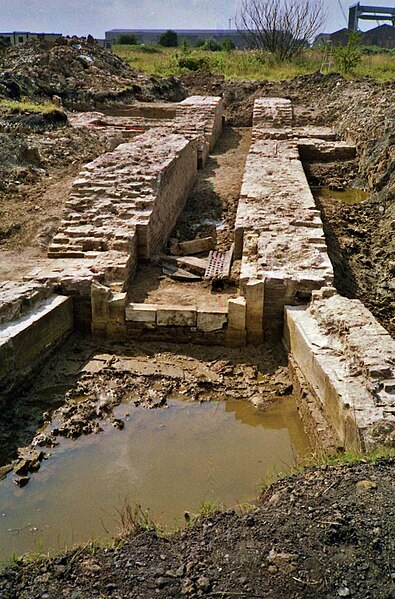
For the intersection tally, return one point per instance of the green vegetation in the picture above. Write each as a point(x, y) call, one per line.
point(348, 57)
point(133, 520)
point(24, 105)
point(254, 65)
point(127, 39)
point(168, 39)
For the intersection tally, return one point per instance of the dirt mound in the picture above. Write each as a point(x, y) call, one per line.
point(79, 71)
point(326, 533)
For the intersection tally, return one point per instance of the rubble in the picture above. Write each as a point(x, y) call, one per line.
point(79, 72)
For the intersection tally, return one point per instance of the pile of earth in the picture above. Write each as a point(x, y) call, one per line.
point(80, 72)
point(325, 533)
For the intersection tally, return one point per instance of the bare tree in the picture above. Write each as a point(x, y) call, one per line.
point(282, 27)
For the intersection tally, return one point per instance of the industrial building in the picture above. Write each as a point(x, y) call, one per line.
point(19, 37)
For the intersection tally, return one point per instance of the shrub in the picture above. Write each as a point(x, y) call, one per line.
point(228, 45)
point(349, 56)
point(199, 43)
point(168, 39)
point(127, 39)
point(185, 47)
point(192, 63)
point(212, 45)
point(148, 50)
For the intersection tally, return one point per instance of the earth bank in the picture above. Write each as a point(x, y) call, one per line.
point(327, 532)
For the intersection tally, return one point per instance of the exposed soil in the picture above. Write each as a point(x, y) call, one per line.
point(78, 71)
point(216, 193)
point(37, 170)
point(326, 533)
point(151, 286)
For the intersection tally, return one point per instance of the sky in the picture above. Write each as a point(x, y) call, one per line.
point(81, 17)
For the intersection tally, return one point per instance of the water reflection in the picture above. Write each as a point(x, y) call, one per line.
point(168, 460)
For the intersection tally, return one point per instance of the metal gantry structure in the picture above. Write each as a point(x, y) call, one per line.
point(369, 13)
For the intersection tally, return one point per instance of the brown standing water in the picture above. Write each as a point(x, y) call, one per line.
point(348, 196)
point(168, 460)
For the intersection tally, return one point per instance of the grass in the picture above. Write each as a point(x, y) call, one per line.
point(26, 106)
point(347, 458)
point(252, 65)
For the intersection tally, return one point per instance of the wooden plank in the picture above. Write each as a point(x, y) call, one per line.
point(179, 274)
point(195, 265)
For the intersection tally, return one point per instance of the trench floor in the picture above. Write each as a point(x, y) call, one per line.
point(210, 210)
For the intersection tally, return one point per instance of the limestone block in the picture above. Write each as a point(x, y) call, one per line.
point(237, 314)
point(116, 308)
point(209, 320)
point(179, 316)
point(100, 297)
point(254, 294)
point(196, 246)
point(141, 312)
point(24, 341)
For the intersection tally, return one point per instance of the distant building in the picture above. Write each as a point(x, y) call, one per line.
point(382, 36)
point(107, 44)
point(151, 36)
point(19, 37)
point(340, 37)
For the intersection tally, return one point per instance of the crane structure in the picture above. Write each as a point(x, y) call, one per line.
point(369, 13)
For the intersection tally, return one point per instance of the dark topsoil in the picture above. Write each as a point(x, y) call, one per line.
point(326, 533)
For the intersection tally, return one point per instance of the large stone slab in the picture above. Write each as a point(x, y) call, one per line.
point(24, 342)
point(348, 360)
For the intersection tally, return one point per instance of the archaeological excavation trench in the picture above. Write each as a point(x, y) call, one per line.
point(184, 339)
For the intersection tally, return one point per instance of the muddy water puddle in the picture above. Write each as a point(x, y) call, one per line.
point(349, 195)
point(168, 460)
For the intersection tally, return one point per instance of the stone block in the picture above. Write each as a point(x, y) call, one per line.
point(254, 294)
point(209, 320)
point(196, 246)
point(237, 314)
point(176, 316)
point(116, 307)
point(141, 312)
point(24, 342)
point(100, 297)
